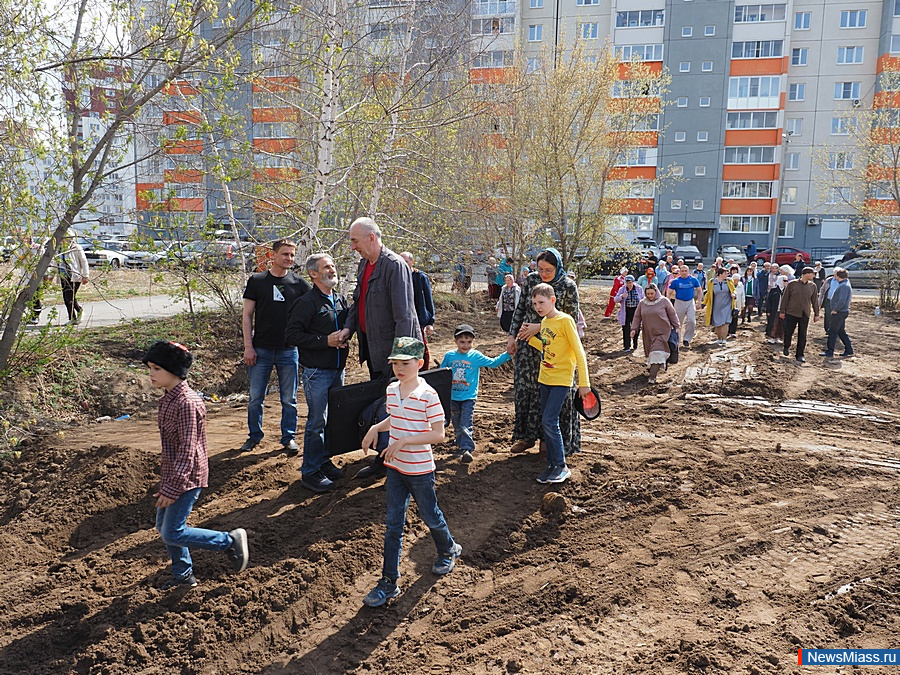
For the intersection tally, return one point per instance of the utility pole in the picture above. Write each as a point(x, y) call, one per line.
point(780, 194)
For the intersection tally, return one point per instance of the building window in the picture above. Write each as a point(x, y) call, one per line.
point(846, 91)
point(589, 30)
point(750, 154)
point(675, 204)
point(759, 13)
point(705, 101)
point(838, 195)
point(751, 120)
point(533, 65)
point(792, 161)
point(840, 161)
point(754, 92)
point(640, 53)
point(841, 126)
point(757, 49)
point(677, 170)
point(789, 195)
point(895, 44)
point(794, 126)
point(680, 136)
point(536, 4)
point(746, 189)
point(495, 26)
point(896, 7)
point(853, 18)
point(687, 31)
point(799, 56)
point(700, 170)
point(706, 66)
point(494, 59)
point(697, 204)
point(850, 55)
point(702, 136)
point(786, 229)
point(641, 18)
point(801, 21)
point(709, 31)
point(684, 67)
point(682, 102)
point(755, 224)
point(797, 91)
point(535, 33)
point(637, 157)
point(582, 3)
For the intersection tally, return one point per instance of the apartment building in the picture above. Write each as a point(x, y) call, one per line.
point(757, 89)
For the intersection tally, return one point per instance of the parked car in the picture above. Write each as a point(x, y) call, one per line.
point(869, 272)
point(731, 252)
point(140, 259)
point(98, 254)
point(831, 260)
point(784, 255)
point(690, 254)
point(648, 248)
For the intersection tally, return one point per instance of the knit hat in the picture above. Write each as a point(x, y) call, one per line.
point(170, 356)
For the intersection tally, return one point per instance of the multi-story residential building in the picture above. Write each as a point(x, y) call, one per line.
point(757, 90)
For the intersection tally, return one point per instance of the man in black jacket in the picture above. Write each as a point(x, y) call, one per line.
point(314, 324)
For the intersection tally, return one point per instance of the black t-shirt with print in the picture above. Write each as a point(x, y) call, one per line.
point(274, 297)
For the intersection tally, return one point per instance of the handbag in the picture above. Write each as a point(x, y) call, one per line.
point(673, 347)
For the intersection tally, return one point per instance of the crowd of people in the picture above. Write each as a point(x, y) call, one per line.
point(289, 322)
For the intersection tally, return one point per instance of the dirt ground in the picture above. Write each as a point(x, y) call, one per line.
point(714, 523)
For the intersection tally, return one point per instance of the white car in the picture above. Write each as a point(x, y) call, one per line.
point(97, 255)
point(733, 253)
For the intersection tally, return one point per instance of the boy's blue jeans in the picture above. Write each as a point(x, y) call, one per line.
point(399, 488)
point(317, 382)
point(285, 362)
point(179, 538)
point(552, 399)
point(461, 413)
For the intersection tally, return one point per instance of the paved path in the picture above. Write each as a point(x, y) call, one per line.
point(107, 313)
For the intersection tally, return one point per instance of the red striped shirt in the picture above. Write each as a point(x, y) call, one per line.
point(413, 415)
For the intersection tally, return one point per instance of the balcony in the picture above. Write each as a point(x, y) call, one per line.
point(493, 8)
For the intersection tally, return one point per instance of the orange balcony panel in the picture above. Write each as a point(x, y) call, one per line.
point(181, 87)
point(747, 207)
point(275, 145)
point(183, 176)
point(274, 114)
point(886, 62)
point(652, 68)
point(772, 66)
point(189, 147)
point(275, 84)
point(193, 205)
point(750, 172)
point(886, 136)
point(752, 137)
point(881, 207)
point(887, 99)
point(181, 117)
point(633, 173)
point(491, 75)
point(142, 191)
point(880, 173)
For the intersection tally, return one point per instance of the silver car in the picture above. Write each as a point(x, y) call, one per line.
point(870, 272)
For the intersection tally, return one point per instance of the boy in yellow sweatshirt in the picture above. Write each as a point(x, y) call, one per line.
point(561, 351)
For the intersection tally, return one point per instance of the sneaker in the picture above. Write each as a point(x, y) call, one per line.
point(800, 359)
point(318, 482)
point(827, 355)
point(291, 448)
point(33, 322)
point(559, 474)
point(847, 354)
point(374, 470)
point(237, 553)
point(771, 341)
point(446, 563)
point(685, 343)
point(189, 581)
point(249, 444)
point(384, 590)
point(779, 341)
point(542, 476)
point(331, 472)
point(466, 457)
point(521, 446)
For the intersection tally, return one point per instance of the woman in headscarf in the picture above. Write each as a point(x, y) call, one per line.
point(72, 268)
point(526, 324)
point(657, 317)
point(719, 303)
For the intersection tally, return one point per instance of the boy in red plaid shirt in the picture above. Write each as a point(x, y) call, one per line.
point(184, 470)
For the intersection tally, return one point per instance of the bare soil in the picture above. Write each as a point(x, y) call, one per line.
point(698, 534)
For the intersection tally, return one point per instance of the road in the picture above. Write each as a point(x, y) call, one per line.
point(111, 312)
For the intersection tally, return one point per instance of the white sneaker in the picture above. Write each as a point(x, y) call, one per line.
point(771, 341)
point(779, 341)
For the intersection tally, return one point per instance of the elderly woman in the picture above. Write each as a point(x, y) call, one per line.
point(657, 317)
point(525, 325)
point(72, 269)
point(628, 298)
point(508, 301)
point(719, 302)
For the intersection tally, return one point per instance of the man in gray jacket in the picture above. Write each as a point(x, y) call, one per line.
point(383, 307)
point(840, 310)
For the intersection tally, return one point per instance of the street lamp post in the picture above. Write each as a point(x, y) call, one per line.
point(779, 195)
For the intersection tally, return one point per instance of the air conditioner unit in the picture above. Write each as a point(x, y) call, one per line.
point(856, 102)
point(814, 221)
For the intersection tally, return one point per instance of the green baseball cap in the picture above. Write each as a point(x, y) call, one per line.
point(406, 348)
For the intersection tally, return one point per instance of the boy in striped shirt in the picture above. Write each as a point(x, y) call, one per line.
point(415, 421)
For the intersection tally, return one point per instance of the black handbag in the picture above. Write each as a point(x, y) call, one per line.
point(673, 347)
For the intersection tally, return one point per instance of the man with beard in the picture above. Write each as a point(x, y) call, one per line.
point(314, 325)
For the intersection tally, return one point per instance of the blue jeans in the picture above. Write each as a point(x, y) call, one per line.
point(286, 366)
point(836, 329)
point(461, 417)
point(552, 399)
point(399, 488)
point(179, 538)
point(317, 382)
